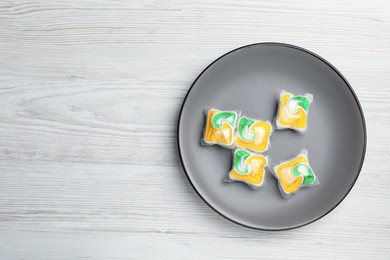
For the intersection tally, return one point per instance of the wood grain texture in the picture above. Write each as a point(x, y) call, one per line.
point(84, 87)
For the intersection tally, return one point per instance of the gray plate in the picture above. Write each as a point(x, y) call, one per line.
point(247, 79)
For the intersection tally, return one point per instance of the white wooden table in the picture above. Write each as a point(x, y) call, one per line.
point(90, 92)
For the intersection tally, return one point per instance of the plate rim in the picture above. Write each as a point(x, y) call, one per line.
point(315, 56)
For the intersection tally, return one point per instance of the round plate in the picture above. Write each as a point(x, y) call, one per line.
point(248, 79)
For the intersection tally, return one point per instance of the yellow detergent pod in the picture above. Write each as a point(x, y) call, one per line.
point(249, 168)
point(220, 126)
point(293, 111)
point(253, 134)
point(294, 174)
